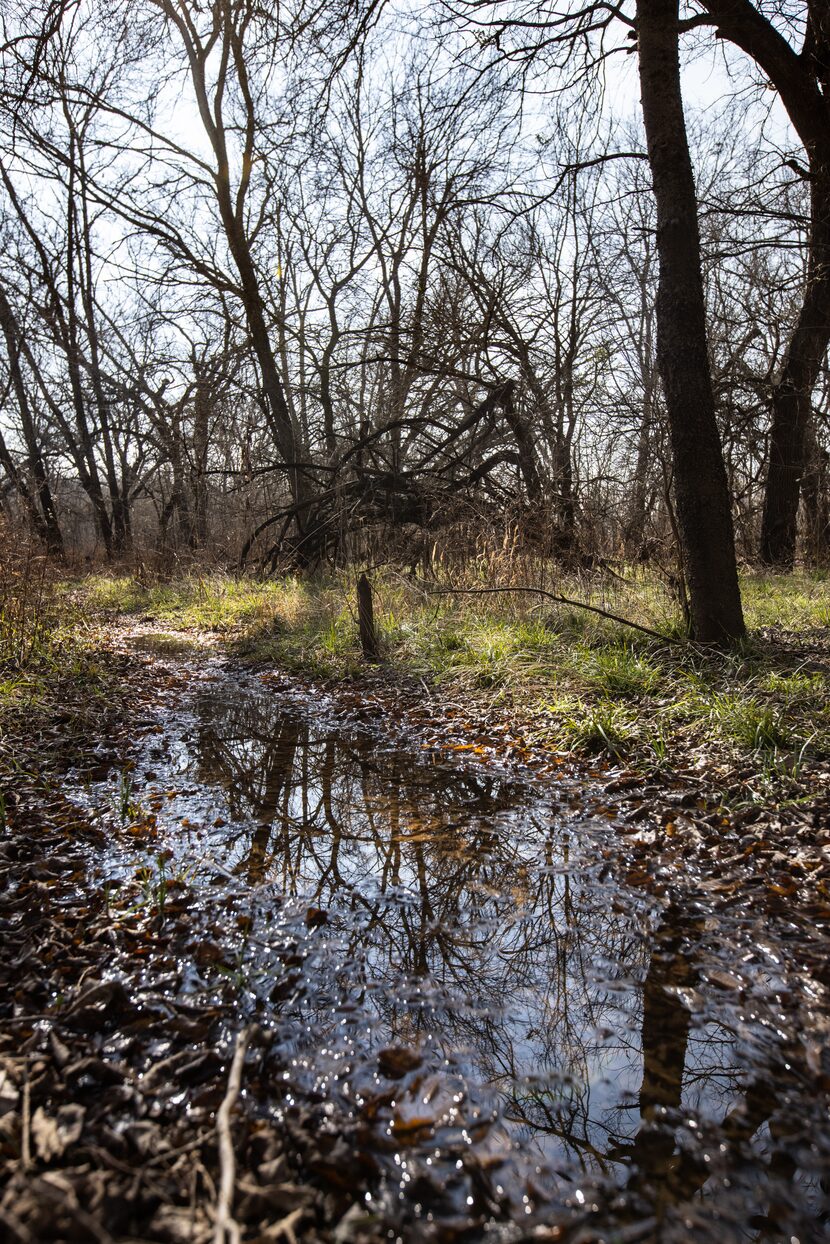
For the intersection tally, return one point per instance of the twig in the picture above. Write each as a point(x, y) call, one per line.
point(19, 1230)
point(225, 1228)
point(560, 600)
point(285, 1226)
point(26, 1122)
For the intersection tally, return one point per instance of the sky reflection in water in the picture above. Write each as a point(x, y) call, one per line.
point(565, 1032)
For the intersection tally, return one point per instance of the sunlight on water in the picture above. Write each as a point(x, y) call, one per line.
point(461, 985)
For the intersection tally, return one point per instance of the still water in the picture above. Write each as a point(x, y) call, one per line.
point(463, 984)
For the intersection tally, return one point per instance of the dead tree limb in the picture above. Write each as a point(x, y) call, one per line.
point(560, 600)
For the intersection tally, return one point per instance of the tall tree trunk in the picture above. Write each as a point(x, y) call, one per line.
point(118, 493)
point(802, 78)
point(814, 494)
point(634, 532)
point(48, 536)
point(199, 459)
point(63, 316)
point(792, 395)
point(226, 42)
point(525, 444)
point(701, 489)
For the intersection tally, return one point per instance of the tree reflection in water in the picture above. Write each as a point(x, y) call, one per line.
point(467, 916)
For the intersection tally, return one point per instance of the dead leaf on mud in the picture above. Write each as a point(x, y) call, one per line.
point(181, 1225)
point(52, 1136)
point(9, 1094)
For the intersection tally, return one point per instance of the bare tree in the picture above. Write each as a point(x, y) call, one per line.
point(801, 75)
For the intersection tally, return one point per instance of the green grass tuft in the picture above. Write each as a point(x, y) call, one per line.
point(580, 682)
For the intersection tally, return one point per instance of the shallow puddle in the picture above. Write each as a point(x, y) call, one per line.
point(502, 1031)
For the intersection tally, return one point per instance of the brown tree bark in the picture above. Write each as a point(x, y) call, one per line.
point(65, 326)
point(701, 490)
point(815, 494)
point(792, 394)
point(802, 79)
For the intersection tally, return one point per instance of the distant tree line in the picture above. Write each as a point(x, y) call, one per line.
point(294, 286)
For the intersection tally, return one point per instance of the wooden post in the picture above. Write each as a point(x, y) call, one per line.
point(366, 620)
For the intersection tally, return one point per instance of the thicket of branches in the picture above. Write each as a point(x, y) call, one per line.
point(290, 286)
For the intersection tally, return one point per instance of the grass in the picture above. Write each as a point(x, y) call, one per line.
point(579, 682)
point(210, 602)
point(53, 668)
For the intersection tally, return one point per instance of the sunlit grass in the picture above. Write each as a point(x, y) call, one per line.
point(797, 601)
point(600, 726)
point(213, 602)
point(581, 682)
point(752, 724)
point(51, 662)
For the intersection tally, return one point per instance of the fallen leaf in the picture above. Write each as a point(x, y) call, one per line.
point(53, 1136)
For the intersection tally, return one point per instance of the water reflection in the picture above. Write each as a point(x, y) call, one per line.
point(563, 1025)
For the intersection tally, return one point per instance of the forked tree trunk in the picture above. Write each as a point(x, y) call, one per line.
point(701, 489)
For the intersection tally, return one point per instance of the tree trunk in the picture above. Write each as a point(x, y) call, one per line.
point(201, 439)
point(366, 620)
point(800, 77)
point(792, 395)
point(38, 502)
point(634, 532)
point(814, 494)
point(701, 489)
point(49, 537)
point(525, 445)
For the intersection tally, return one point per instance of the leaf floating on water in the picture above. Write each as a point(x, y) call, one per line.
point(726, 980)
point(397, 1060)
point(786, 889)
point(404, 1125)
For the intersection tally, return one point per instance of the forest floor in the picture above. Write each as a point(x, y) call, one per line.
point(698, 781)
point(751, 727)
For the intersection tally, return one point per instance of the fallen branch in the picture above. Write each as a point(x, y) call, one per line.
point(560, 600)
point(285, 1227)
point(226, 1230)
point(26, 1122)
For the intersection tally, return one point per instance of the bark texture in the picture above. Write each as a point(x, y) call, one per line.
point(792, 395)
point(802, 79)
point(700, 483)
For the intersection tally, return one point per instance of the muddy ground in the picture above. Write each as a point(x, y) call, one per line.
point(283, 961)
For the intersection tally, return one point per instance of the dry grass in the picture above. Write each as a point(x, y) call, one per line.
point(582, 682)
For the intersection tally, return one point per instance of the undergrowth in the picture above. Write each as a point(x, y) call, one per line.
point(579, 682)
point(50, 664)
